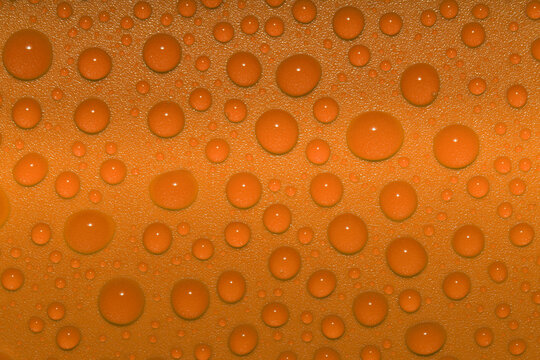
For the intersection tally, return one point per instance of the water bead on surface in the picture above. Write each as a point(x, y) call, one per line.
point(425, 338)
point(298, 75)
point(456, 146)
point(121, 301)
point(88, 231)
point(174, 190)
point(420, 84)
point(27, 54)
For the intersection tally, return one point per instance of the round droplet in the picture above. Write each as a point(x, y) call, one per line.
point(398, 200)
point(41, 233)
point(200, 99)
point(231, 286)
point(277, 218)
point(347, 233)
point(30, 170)
point(456, 146)
point(333, 327)
point(304, 11)
point(517, 347)
point(202, 249)
point(473, 34)
point(277, 131)
point(477, 86)
point(113, 171)
point(359, 55)
point(35, 324)
point(348, 22)
point(88, 231)
point(235, 110)
point(67, 184)
point(535, 49)
point(166, 119)
point(390, 24)
point(478, 186)
point(275, 314)
point(326, 353)
point(68, 337)
point(406, 256)
point(516, 96)
point(498, 272)
point(92, 116)
point(121, 301)
point(374, 135)
point(243, 190)
point(483, 336)
point(202, 352)
point(420, 84)
point(237, 234)
point(217, 150)
point(27, 54)
point(12, 279)
point(321, 283)
point(425, 338)
point(157, 238)
point(162, 53)
point(449, 9)
point(370, 308)
point(284, 263)
point(410, 300)
point(456, 285)
point(26, 113)
point(521, 234)
point(468, 241)
point(318, 151)
point(243, 339)
point(223, 32)
point(174, 190)
point(190, 298)
point(298, 75)
point(326, 189)
point(428, 18)
point(94, 64)
point(325, 110)
point(244, 69)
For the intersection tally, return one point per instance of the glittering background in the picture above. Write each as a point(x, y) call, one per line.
point(55, 276)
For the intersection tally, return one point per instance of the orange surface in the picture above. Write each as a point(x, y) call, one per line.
point(270, 179)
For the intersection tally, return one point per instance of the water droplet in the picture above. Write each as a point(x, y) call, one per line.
point(243, 190)
point(325, 110)
point(190, 298)
point(243, 339)
point(347, 233)
point(406, 257)
point(390, 24)
point(398, 200)
point(521, 234)
point(92, 116)
point(113, 171)
point(157, 238)
point(27, 54)
point(333, 327)
point(237, 234)
point(30, 170)
point(12, 279)
point(68, 337)
point(420, 84)
point(374, 135)
point(162, 52)
point(284, 263)
point(456, 285)
point(67, 184)
point(277, 218)
point(244, 69)
point(298, 75)
point(174, 190)
point(370, 308)
point(321, 283)
point(456, 146)
point(94, 64)
point(473, 34)
point(88, 231)
point(26, 113)
point(326, 189)
point(166, 119)
point(275, 314)
point(121, 301)
point(304, 11)
point(468, 241)
point(348, 22)
point(231, 286)
point(410, 300)
point(425, 338)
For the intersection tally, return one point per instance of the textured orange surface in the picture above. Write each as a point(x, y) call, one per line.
point(272, 179)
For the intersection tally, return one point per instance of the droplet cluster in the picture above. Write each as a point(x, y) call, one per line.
point(215, 179)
